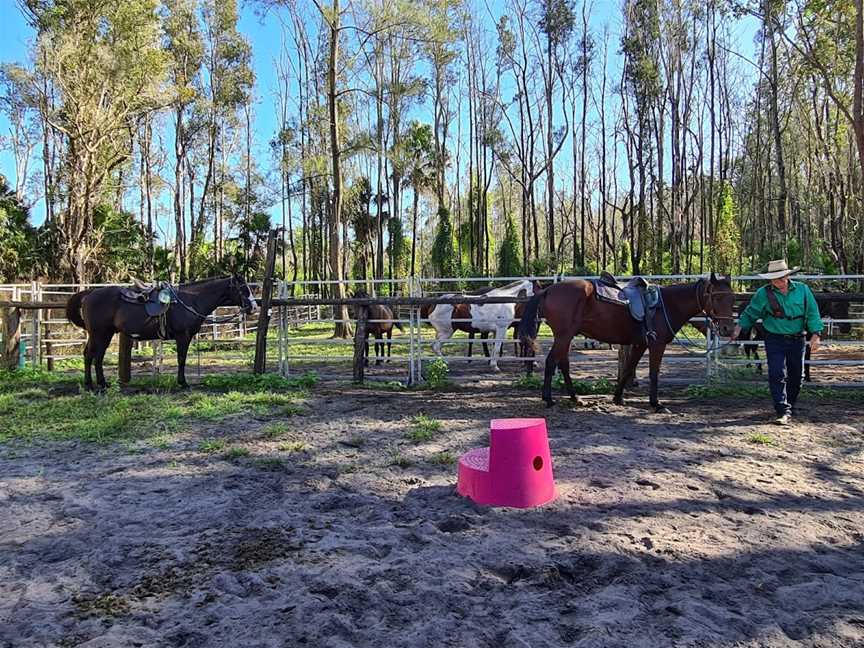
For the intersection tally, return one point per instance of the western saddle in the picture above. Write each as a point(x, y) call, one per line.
point(156, 297)
point(640, 297)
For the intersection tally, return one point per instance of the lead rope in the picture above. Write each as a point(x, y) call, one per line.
point(693, 342)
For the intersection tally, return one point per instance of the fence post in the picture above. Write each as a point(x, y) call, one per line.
point(11, 322)
point(36, 296)
point(360, 343)
point(260, 365)
point(708, 355)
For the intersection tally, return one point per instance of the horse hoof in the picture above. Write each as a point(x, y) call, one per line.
point(550, 403)
point(660, 409)
point(184, 386)
point(618, 401)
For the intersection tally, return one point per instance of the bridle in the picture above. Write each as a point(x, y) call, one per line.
point(706, 306)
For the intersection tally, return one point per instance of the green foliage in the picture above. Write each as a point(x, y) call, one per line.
point(18, 239)
point(726, 246)
point(443, 459)
point(444, 252)
point(760, 439)
point(424, 429)
point(509, 264)
point(211, 445)
point(256, 382)
point(436, 373)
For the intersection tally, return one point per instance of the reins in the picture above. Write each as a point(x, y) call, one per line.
point(712, 325)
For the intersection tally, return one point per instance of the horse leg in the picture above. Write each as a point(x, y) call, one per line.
point(470, 344)
point(655, 358)
point(88, 364)
point(389, 343)
point(564, 368)
point(366, 350)
point(629, 372)
point(100, 346)
point(379, 345)
point(560, 349)
point(440, 336)
point(483, 336)
point(183, 343)
point(500, 334)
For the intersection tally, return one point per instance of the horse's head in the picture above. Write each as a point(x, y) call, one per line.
point(241, 295)
point(717, 300)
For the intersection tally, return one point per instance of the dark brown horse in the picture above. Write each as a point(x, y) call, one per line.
point(380, 324)
point(571, 307)
point(102, 312)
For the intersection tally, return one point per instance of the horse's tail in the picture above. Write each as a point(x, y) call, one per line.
point(529, 325)
point(73, 308)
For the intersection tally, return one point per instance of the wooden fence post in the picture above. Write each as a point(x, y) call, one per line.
point(11, 329)
point(360, 343)
point(124, 359)
point(260, 365)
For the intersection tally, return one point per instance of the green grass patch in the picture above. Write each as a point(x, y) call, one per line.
point(401, 461)
point(212, 445)
point(276, 430)
point(584, 387)
point(388, 386)
point(533, 381)
point(761, 439)
point(236, 452)
point(423, 429)
point(269, 464)
point(258, 382)
point(442, 459)
point(292, 447)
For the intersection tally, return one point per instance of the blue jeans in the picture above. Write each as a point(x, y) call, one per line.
point(785, 369)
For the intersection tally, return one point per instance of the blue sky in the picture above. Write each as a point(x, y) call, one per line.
point(264, 34)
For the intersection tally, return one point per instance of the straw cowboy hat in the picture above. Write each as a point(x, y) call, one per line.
point(778, 269)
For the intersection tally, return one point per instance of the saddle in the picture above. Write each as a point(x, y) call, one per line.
point(156, 297)
point(640, 297)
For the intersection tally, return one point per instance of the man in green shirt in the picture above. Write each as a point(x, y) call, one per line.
point(788, 310)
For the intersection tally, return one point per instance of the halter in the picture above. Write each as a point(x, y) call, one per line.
point(707, 307)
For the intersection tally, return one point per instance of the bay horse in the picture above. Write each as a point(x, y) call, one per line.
point(492, 318)
point(571, 307)
point(381, 323)
point(102, 312)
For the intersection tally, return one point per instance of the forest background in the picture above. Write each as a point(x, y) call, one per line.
point(164, 138)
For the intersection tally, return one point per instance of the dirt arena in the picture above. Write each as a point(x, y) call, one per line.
point(704, 527)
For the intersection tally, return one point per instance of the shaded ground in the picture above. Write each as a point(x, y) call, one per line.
point(706, 527)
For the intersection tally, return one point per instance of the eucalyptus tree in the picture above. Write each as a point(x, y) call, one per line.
point(106, 67)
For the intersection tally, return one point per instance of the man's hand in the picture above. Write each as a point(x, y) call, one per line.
point(735, 333)
point(814, 343)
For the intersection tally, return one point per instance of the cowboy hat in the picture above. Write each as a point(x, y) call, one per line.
point(778, 269)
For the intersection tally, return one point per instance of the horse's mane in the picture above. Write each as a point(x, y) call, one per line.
point(200, 282)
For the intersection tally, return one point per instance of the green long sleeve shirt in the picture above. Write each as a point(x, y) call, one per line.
point(799, 305)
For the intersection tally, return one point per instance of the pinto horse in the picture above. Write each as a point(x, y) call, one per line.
point(492, 318)
point(102, 313)
point(571, 307)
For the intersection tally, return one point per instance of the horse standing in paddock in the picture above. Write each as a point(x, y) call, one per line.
point(102, 312)
point(492, 318)
point(381, 323)
point(571, 307)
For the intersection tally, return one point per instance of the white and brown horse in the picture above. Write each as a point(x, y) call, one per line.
point(477, 318)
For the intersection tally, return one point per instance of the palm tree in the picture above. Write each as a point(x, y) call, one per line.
point(419, 163)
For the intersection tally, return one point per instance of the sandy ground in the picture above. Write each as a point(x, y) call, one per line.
point(669, 530)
